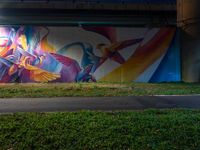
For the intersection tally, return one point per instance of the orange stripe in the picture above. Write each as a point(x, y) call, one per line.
point(142, 58)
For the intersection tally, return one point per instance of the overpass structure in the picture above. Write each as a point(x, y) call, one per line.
point(170, 54)
point(87, 12)
point(89, 40)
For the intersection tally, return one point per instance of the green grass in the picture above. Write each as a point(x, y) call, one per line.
point(96, 89)
point(137, 130)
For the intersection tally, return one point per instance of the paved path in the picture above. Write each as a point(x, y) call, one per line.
point(99, 103)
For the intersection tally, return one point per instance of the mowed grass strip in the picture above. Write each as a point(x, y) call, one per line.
point(137, 130)
point(96, 89)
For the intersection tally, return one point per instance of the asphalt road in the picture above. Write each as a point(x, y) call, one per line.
point(97, 103)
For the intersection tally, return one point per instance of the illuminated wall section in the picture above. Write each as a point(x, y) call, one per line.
point(88, 54)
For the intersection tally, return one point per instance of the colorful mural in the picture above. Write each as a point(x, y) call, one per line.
point(88, 54)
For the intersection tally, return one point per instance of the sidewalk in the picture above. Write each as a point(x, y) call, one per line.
point(97, 103)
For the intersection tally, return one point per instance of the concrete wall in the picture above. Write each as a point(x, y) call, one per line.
point(189, 24)
point(82, 54)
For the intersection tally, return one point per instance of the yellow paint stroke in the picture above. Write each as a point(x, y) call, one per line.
point(45, 46)
point(23, 42)
point(142, 58)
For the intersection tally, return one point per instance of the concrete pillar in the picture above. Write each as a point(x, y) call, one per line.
point(188, 17)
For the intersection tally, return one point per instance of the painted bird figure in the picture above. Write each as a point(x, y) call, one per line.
point(112, 51)
point(37, 74)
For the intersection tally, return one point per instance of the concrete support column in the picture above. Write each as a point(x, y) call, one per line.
point(188, 16)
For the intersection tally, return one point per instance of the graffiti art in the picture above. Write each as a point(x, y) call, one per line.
point(88, 54)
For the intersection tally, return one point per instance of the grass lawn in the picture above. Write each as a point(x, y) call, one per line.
point(137, 130)
point(96, 89)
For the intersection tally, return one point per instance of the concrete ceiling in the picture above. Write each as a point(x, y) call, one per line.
point(88, 12)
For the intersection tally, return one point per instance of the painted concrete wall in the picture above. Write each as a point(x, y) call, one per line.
point(82, 54)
